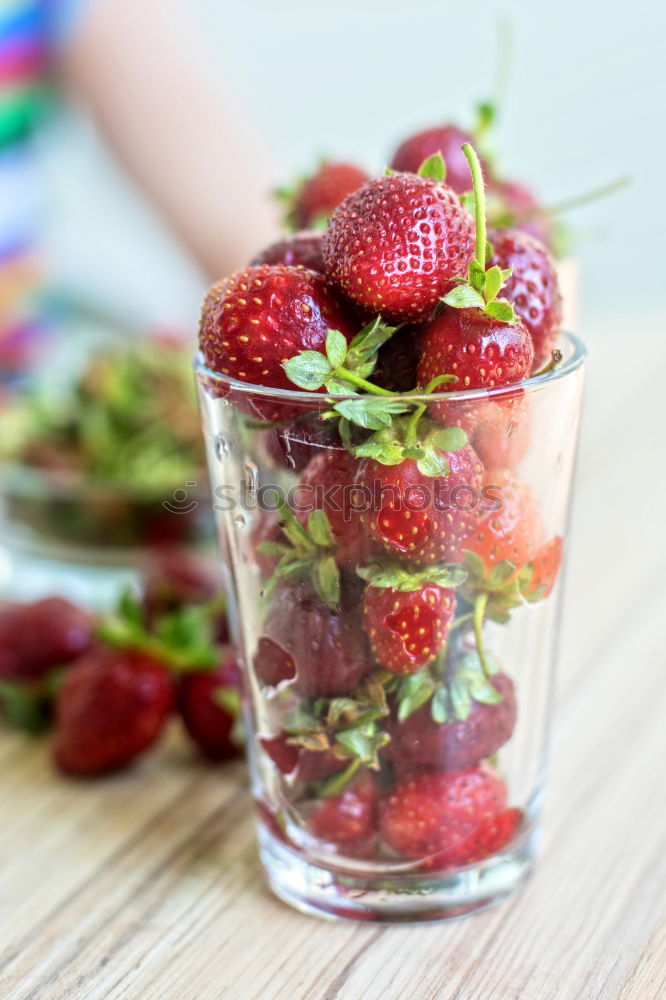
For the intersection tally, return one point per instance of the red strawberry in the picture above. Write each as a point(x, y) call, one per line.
point(512, 205)
point(419, 741)
point(407, 628)
point(293, 446)
point(419, 517)
point(532, 289)
point(501, 430)
point(296, 250)
point(111, 707)
point(482, 352)
point(176, 578)
point(396, 245)
point(328, 484)
point(445, 139)
point(348, 820)
point(40, 635)
point(309, 765)
point(545, 567)
point(491, 836)
point(321, 651)
point(513, 531)
point(398, 360)
point(445, 819)
point(258, 318)
point(209, 723)
point(321, 193)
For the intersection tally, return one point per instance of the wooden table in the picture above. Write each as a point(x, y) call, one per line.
point(146, 886)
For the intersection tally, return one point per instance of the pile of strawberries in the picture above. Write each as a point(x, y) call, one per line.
point(408, 527)
point(108, 686)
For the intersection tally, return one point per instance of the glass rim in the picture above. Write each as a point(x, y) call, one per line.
point(575, 358)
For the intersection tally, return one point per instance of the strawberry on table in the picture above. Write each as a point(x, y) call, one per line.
point(407, 615)
point(447, 820)
point(38, 636)
point(397, 244)
point(209, 705)
point(112, 706)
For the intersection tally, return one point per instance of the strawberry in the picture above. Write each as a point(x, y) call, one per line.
point(293, 446)
point(446, 820)
point(303, 249)
point(321, 652)
point(539, 580)
point(532, 288)
point(396, 245)
point(513, 531)
point(417, 516)
point(176, 578)
point(308, 765)
point(407, 615)
point(349, 820)
point(501, 430)
point(514, 206)
point(480, 340)
point(209, 705)
point(37, 636)
point(320, 194)
point(112, 706)
point(445, 139)
point(327, 484)
point(398, 360)
point(258, 318)
point(481, 351)
point(456, 729)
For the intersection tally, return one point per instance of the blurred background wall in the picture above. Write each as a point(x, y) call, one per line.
point(584, 105)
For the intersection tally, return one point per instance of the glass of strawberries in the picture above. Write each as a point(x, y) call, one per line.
point(391, 414)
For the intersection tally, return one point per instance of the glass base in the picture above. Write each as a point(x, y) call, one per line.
point(393, 898)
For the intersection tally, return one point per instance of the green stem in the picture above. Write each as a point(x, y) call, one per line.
point(412, 425)
point(361, 383)
point(479, 204)
point(479, 611)
point(461, 619)
point(577, 201)
point(555, 361)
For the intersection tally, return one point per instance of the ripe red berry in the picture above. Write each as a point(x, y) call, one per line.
point(501, 429)
point(208, 722)
point(112, 706)
point(545, 567)
point(532, 289)
point(420, 742)
point(395, 245)
point(307, 765)
point(348, 820)
point(407, 628)
point(175, 578)
point(511, 532)
point(417, 517)
point(445, 139)
point(258, 318)
point(482, 352)
point(321, 193)
point(327, 484)
point(40, 635)
point(445, 819)
point(302, 249)
point(513, 205)
point(322, 652)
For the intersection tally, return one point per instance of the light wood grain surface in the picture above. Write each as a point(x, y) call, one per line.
point(146, 886)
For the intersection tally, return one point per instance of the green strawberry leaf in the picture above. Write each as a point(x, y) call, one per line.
point(502, 310)
point(297, 721)
point(463, 297)
point(447, 438)
point(371, 412)
point(439, 706)
point(327, 581)
point(362, 354)
point(493, 283)
point(23, 706)
point(414, 691)
point(308, 370)
point(477, 277)
point(319, 529)
point(433, 464)
point(336, 348)
point(461, 701)
point(499, 574)
point(433, 167)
